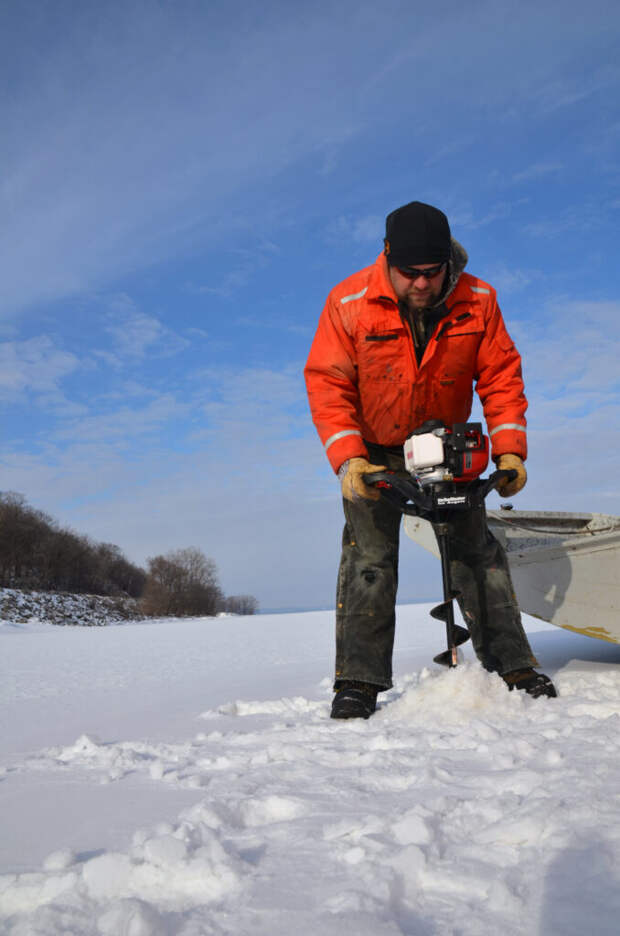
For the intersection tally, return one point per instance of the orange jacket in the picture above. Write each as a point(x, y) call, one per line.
point(364, 382)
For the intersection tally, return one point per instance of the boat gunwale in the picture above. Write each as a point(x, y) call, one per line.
point(554, 524)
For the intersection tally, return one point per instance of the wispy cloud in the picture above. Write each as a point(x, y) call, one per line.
point(36, 366)
point(511, 279)
point(585, 356)
point(537, 171)
point(366, 229)
point(473, 219)
point(251, 410)
point(136, 334)
point(580, 217)
point(577, 88)
point(449, 149)
point(245, 264)
point(125, 426)
point(329, 150)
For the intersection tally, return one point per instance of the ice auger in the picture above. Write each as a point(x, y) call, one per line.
point(443, 474)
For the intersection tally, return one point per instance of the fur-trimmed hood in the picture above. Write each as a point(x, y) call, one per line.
point(456, 265)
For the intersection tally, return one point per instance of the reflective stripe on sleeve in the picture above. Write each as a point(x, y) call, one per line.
point(481, 289)
point(514, 426)
point(341, 435)
point(358, 295)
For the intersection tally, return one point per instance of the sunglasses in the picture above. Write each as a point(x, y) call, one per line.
point(414, 273)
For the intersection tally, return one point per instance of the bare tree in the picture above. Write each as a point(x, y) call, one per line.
point(182, 583)
point(240, 604)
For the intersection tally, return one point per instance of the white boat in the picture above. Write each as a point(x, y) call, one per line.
point(565, 566)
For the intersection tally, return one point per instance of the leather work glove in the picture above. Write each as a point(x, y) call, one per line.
point(351, 474)
point(508, 488)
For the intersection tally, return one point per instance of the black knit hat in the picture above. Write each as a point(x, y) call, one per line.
point(416, 233)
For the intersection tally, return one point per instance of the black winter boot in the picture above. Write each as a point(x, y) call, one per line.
point(354, 700)
point(535, 684)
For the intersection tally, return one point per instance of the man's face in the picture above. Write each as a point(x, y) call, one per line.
point(418, 291)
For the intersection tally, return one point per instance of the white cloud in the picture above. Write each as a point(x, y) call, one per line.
point(449, 149)
point(365, 229)
point(472, 219)
point(245, 264)
point(573, 89)
point(136, 334)
point(570, 354)
point(572, 351)
point(125, 426)
point(581, 217)
point(35, 365)
point(252, 415)
point(537, 171)
point(508, 280)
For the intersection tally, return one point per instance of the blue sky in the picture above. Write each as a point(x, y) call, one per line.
point(183, 183)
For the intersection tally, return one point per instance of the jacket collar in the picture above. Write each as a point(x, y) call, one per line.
point(380, 286)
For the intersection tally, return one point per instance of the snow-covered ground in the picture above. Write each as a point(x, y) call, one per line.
point(183, 777)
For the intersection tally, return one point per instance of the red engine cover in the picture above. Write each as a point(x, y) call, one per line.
point(471, 463)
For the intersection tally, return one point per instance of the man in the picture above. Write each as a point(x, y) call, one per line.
point(399, 343)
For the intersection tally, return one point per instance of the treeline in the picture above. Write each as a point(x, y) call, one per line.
point(37, 553)
point(184, 582)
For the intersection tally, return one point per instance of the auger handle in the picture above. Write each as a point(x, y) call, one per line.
point(399, 491)
point(486, 486)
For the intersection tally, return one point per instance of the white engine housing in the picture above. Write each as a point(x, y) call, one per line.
point(423, 452)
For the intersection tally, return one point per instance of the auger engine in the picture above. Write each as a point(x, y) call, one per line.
point(435, 453)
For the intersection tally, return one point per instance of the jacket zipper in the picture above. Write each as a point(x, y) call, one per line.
point(409, 337)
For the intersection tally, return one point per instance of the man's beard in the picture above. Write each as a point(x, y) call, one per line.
point(426, 301)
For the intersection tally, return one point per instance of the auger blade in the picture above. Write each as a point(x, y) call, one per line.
point(443, 611)
point(448, 657)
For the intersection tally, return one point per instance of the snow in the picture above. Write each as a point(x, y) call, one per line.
point(184, 777)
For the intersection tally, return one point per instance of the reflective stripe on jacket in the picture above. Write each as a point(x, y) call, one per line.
point(364, 382)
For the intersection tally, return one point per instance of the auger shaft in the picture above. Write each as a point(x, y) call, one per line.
point(455, 635)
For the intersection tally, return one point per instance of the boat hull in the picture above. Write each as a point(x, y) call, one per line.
point(565, 567)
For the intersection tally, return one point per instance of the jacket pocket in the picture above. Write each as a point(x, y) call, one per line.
point(459, 326)
point(454, 362)
point(382, 355)
point(388, 337)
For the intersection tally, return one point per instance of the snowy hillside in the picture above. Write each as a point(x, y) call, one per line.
point(183, 777)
